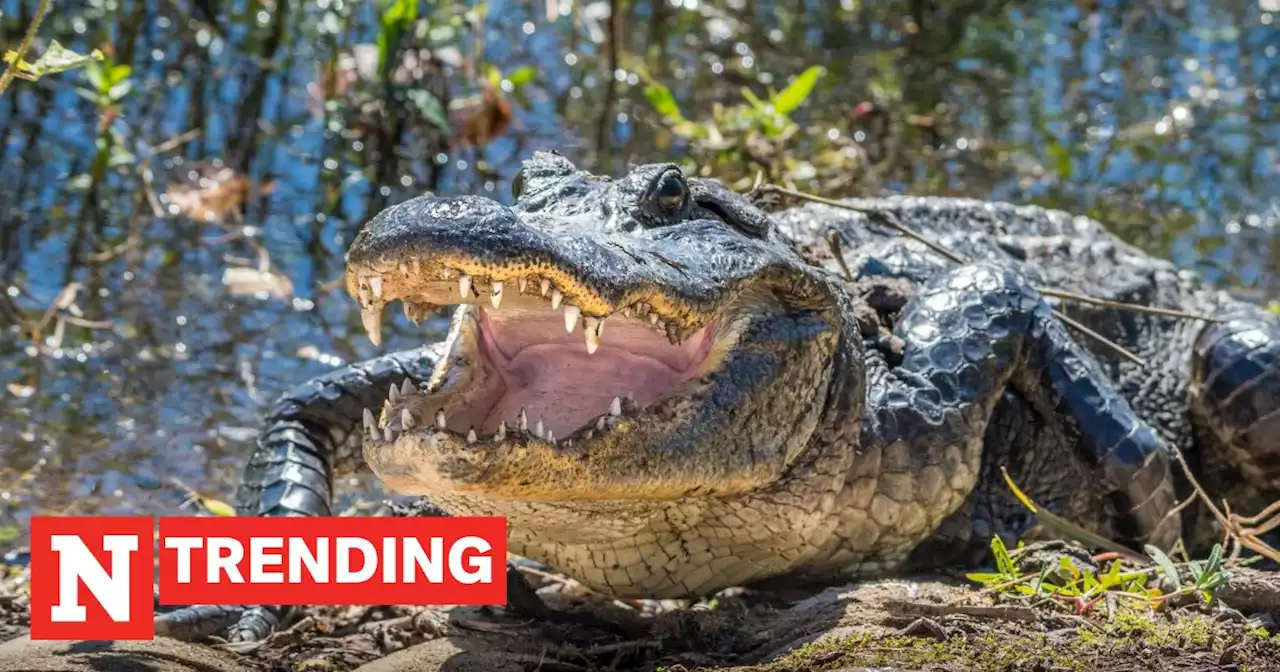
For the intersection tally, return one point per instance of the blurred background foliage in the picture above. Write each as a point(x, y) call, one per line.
point(173, 212)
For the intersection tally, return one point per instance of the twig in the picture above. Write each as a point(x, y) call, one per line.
point(12, 71)
point(623, 646)
point(890, 220)
point(884, 217)
point(1116, 347)
point(833, 242)
point(173, 143)
point(1240, 530)
point(1132, 307)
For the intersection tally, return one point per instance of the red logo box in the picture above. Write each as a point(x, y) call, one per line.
point(91, 578)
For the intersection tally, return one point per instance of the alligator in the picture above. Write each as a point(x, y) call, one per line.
point(668, 390)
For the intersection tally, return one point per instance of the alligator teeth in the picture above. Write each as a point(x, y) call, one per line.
point(539, 431)
point(556, 297)
point(464, 286)
point(417, 267)
point(521, 283)
point(544, 286)
point(571, 315)
point(364, 293)
point(501, 434)
point(626, 312)
point(407, 388)
point(404, 269)
point(375, 283)
point(406, 419)
point(370, 425)
point(440, 424)
point(471, 436)
point(591, 328)
point(600, 423)
point(653, 319)
point(589, 435)
point(372, 319)
point(551, 437)
point(496, 288)
point(524, 421)
point(447, 272)
point(394, 395)
point(615, 407)
point(386, 434)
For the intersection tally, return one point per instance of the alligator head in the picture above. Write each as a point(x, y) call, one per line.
point(634, 340)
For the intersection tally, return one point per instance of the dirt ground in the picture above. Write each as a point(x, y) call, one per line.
point(926, 623)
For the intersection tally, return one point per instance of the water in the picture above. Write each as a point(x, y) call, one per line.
point(1160, 119)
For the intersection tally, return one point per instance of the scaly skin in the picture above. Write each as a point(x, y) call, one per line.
point(787, 446)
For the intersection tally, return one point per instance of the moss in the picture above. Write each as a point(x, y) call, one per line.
point(1131, 633)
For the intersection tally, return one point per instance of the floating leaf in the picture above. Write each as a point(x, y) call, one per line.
point(791, 98)
point(663, 101)
point(20, 391)
point(56, 58)
point(242, 281)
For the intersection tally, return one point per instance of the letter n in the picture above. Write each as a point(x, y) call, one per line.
point(91, 578)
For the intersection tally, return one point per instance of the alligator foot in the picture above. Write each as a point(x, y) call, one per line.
point(523, 599)
point(196, 621)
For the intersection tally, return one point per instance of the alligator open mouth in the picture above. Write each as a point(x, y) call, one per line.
point(524, 358)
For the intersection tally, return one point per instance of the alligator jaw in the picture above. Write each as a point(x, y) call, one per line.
point(425, 285)
point(518, 379)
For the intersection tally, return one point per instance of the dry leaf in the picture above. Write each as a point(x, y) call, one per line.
point(486, 120)
point(211, 193)
point(243, 281)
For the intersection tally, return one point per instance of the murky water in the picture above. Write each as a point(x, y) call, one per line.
point(186, 218)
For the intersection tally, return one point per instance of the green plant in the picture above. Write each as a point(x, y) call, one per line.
point(771, 117)
point(396, 20)
point(55, 59)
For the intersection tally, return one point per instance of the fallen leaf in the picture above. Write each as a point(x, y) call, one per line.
point(243, 281)
point(211, 193)
point(485, 120)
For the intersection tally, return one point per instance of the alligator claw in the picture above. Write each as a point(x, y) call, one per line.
point(257, 623)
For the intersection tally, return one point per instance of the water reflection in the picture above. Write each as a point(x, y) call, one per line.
point(172, 224)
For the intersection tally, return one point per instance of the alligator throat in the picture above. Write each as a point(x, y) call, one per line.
point(547, 370)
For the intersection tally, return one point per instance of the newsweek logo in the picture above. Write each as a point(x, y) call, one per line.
point(91, 578)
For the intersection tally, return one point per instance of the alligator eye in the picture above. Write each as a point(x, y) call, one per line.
point(671, 192)
point(517, 184)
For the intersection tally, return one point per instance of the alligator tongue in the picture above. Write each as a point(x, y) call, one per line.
point(550, 374)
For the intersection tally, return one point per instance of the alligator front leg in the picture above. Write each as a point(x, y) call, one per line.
point(971, 334)
point(311, 432)
point(1235, 402)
